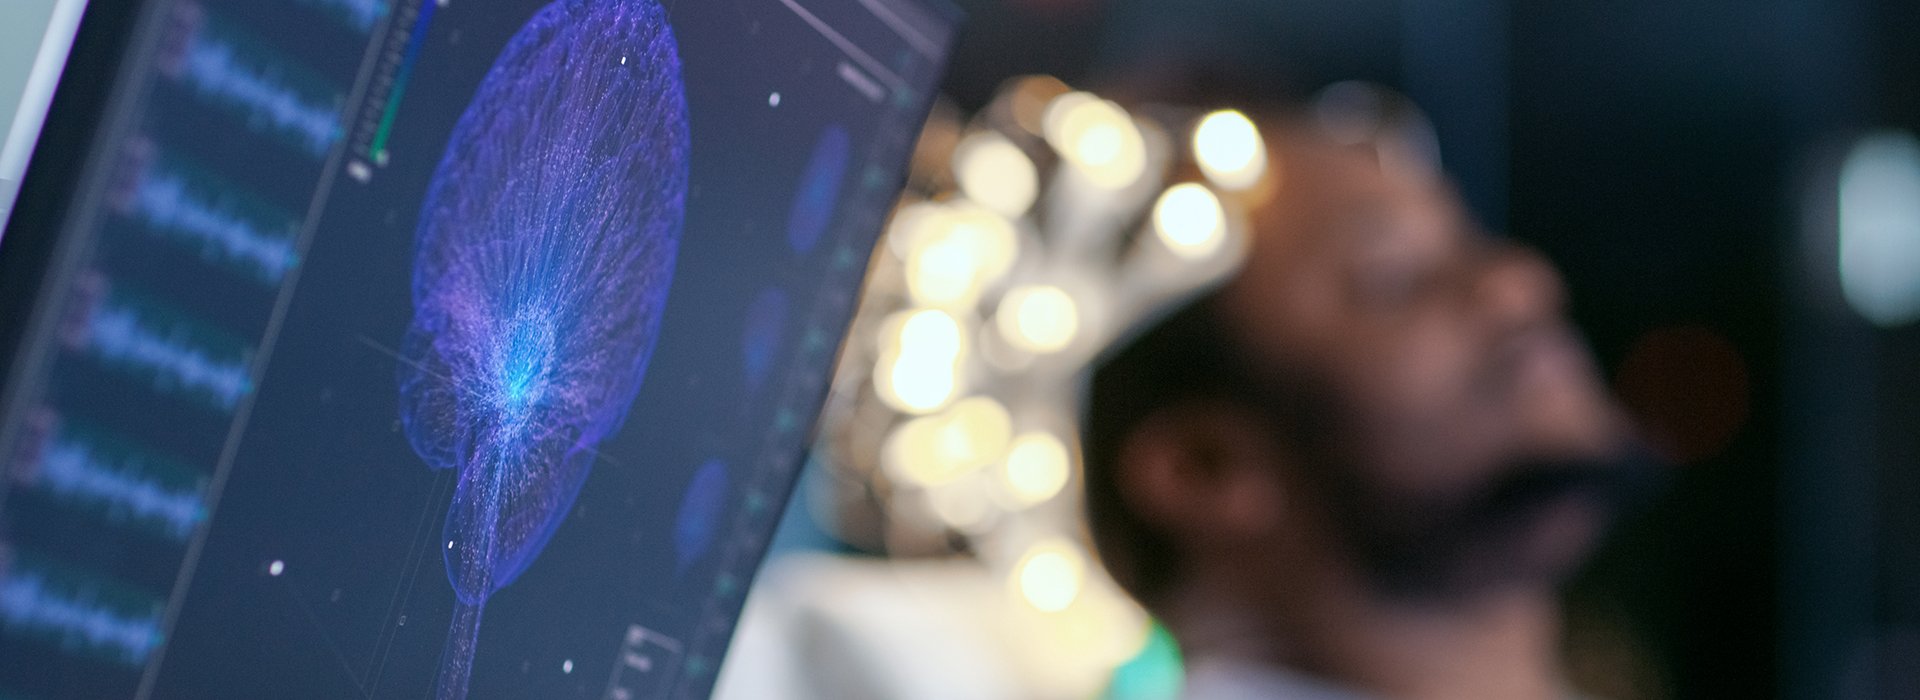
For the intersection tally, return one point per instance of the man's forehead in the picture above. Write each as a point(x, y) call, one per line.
point(1325, 197)
point(1330, 204)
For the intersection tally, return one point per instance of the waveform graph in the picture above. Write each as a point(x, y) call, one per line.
point(362, 16)
point(545, 250)
point(227, 70)
point(77, 613)
point(88, 470)
point(192, 209)
point(174, 354)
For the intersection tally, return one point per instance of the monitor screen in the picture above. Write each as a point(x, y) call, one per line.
point(448, 348)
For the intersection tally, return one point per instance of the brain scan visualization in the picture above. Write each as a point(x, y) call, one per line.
point(543, 256)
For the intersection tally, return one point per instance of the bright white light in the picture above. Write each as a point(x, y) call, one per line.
point(1880, 228)
point(1050, 575)
point(955, 253)
point(567, 666)
point(276, 567)
point(916, 387)
point(991, 236)
point(911, 223)
point(1053, 118)
point(934, 335)
point(1189, 221)
point(975, 433)
point(940, 449)
point(920, 351)
point(1098, 138)
point(1229, 149)
point(996, 173)
point(1038, 318)
point(941, 272)
point(1037, 467)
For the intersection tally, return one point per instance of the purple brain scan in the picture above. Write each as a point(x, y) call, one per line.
point(544, 252)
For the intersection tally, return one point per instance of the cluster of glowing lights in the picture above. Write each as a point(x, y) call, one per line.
point(1189, 220)
point(1229, 150)
point(920, 355)
point(955, 452)
point(1098, 138)
point(1038, 318)
point(1050, 575)
point(995, 173)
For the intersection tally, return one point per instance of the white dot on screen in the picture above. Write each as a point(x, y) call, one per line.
point(276, 567)
point(449, 544)
point(566, 666)
point(773, 100)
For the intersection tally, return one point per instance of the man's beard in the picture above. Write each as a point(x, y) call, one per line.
point(1445, 546)
point(1426, 546)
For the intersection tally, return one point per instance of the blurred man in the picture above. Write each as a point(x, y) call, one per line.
point(1361, 467)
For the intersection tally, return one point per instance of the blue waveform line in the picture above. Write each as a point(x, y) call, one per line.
point(214, 69)
point(28, 603)
point(164, 203)
point(118, 335)
point(76, 471)
point(363, 14)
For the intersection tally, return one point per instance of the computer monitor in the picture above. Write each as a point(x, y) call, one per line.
point(429, 348)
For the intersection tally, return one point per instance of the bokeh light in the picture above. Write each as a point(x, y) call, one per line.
point(1880, 228)
point(955, 252)
point(1229, 150)
point(995, 173)
point(1038, 318)
point(920, 352)
point(1189, 221)
point(1037, 467)
point(1690, 389)
point(940, 449)
point(1050, 575)
point(1098, 138)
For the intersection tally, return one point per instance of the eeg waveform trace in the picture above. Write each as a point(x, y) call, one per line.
point(361, 15)
point(31, 603)
point(205, 214)
point(546, 245)
point(72, 468)
point(174, 355)
point(271, 94)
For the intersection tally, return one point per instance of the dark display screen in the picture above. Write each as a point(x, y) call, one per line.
point(436, 348)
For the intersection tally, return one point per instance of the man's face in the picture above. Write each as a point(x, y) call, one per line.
point(1470, 431)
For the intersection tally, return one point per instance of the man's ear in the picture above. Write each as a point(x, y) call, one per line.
point(1203, 472)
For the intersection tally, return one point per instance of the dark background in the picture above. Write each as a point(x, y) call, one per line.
point(1672, 156)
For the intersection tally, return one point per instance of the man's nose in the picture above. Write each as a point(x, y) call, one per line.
point(1517, 285)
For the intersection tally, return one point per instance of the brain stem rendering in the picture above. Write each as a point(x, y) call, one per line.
point(545, 248)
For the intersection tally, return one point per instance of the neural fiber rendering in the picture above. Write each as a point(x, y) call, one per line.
point(545, 248)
